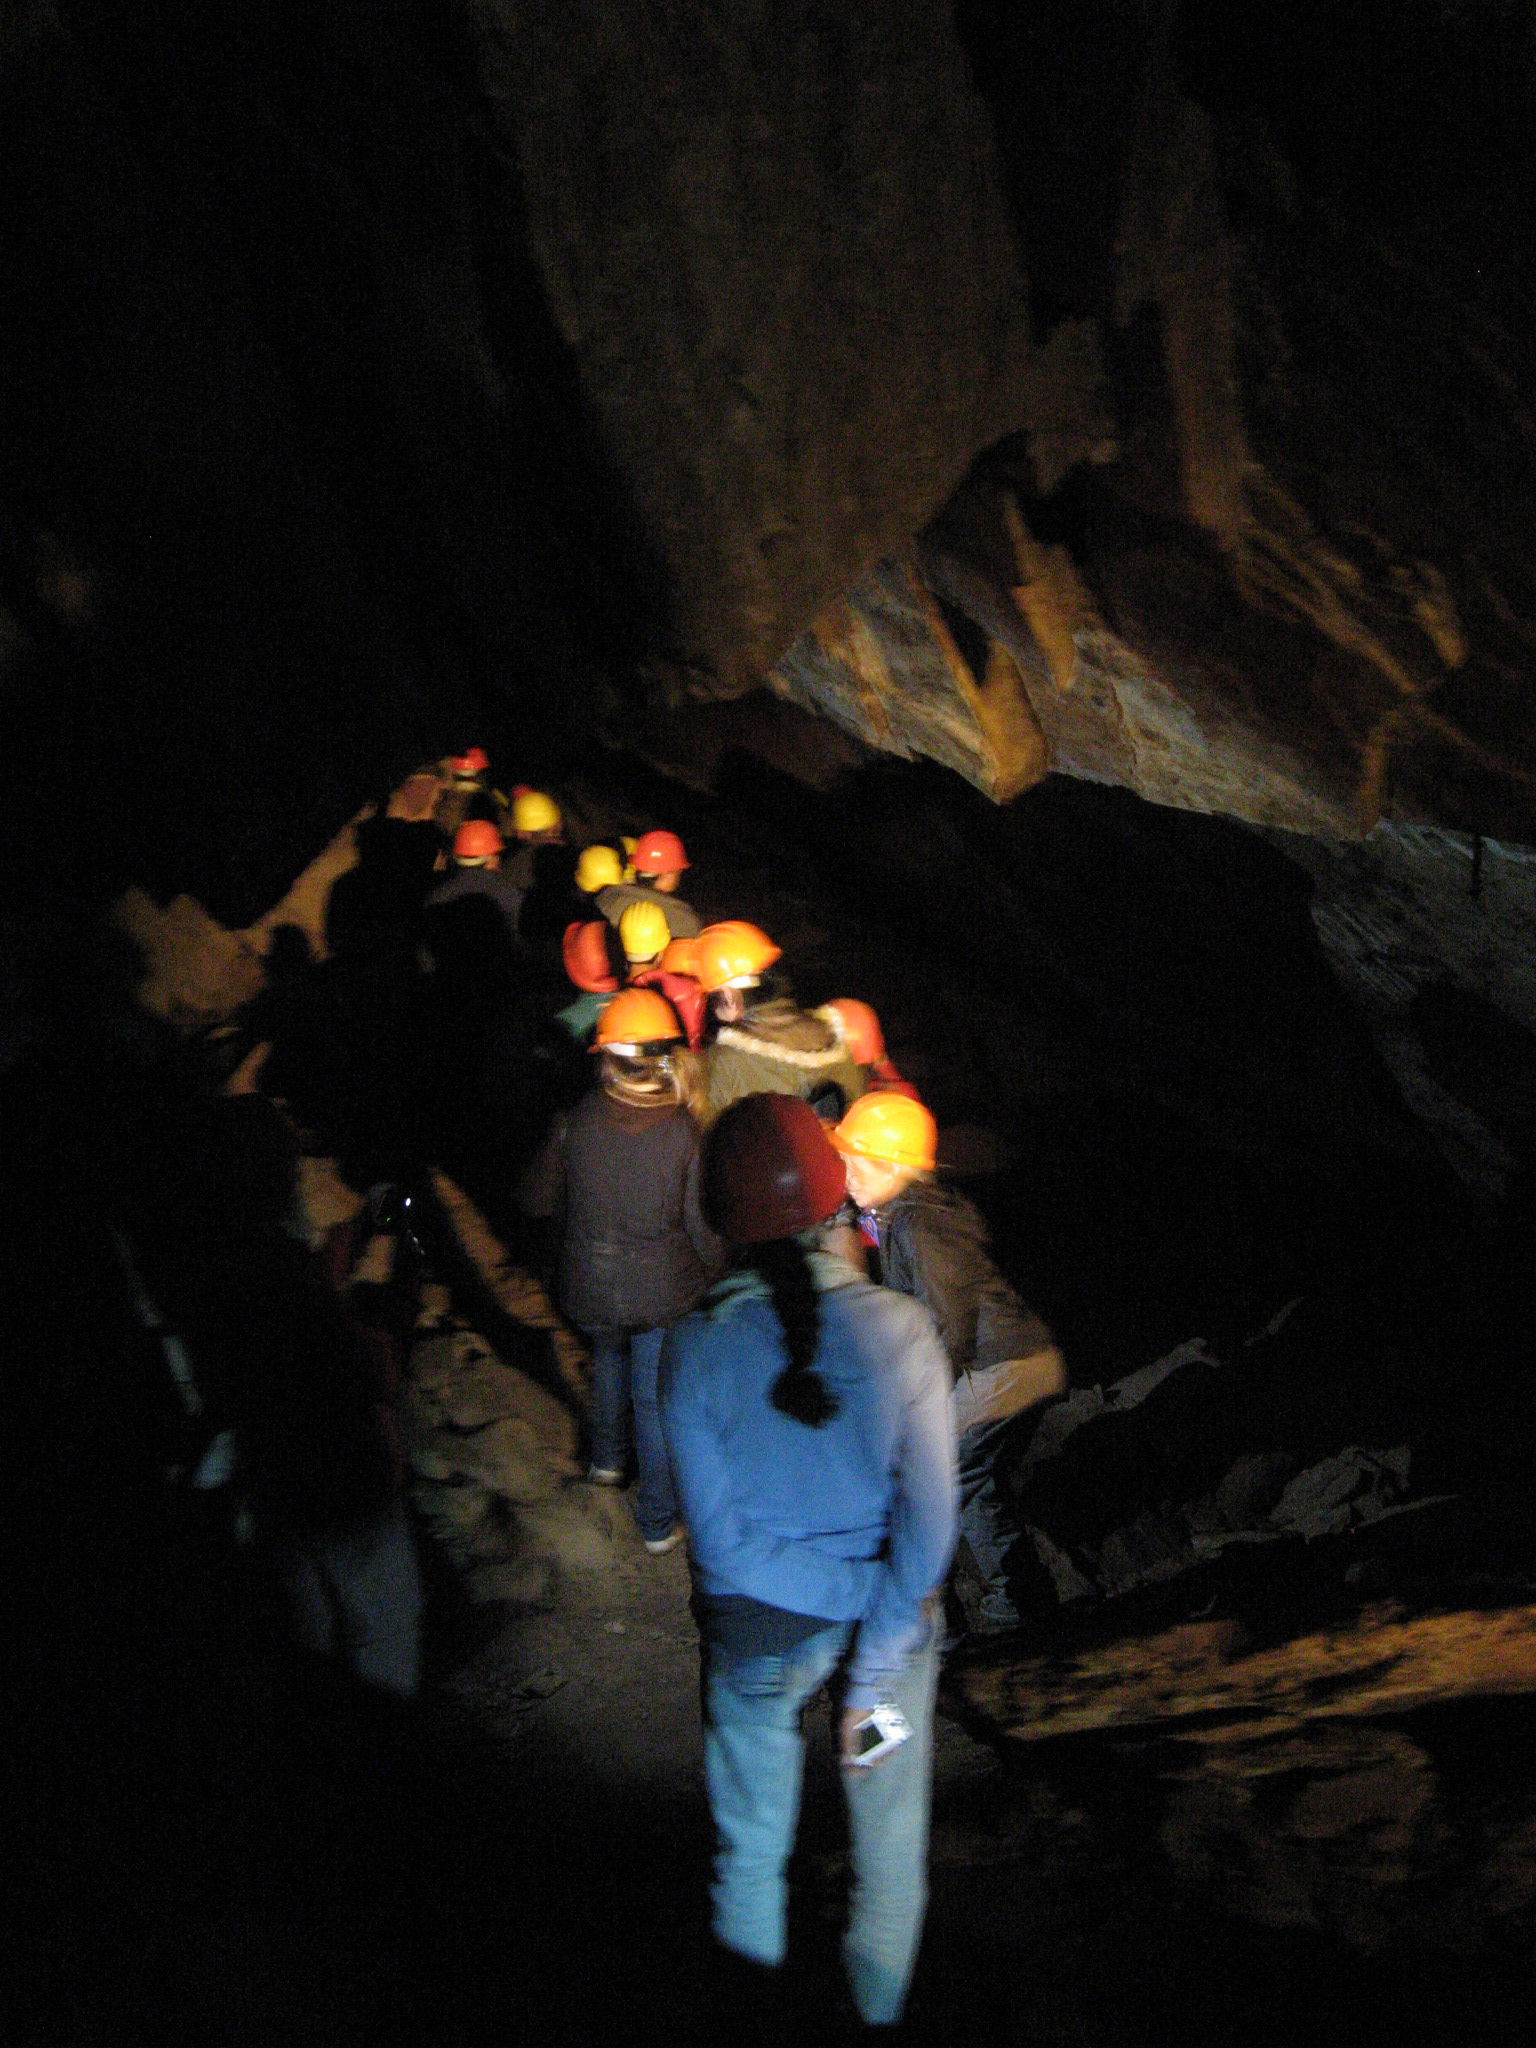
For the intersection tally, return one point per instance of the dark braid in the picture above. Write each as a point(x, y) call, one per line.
point(799, 1391)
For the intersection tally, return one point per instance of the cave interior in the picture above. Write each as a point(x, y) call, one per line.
point(1044, 503)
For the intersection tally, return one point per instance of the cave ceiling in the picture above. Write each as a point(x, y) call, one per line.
point(1141, 394)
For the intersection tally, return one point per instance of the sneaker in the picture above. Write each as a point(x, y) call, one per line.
point(658, 1546)
point(604, 1475)
point(996, 1615)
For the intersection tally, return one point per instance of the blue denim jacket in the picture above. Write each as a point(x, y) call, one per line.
point(853, 1521)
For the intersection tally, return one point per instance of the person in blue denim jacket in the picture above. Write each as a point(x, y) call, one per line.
point(806, 1415)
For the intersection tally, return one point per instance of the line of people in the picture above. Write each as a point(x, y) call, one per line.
point(743, 1198)
point(795, 1327)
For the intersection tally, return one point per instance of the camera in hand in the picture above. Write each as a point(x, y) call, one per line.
point(884, 1728)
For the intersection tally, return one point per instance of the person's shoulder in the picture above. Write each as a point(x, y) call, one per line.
point(897, 1315)
point(593, 1108)
point(933, 1206)
point(723, 1322)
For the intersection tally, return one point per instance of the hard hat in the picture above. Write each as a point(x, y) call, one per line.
point(474, 762)
point(891, 1128)
point(643, 930)
point(658, 853)
point(476, 839)
point(637, 1020)
point(768, 1169)
point(533, 811)
point(858, 1027)
point(598, 867)
point(682, 957)
point(584, 949)
point(732, 954)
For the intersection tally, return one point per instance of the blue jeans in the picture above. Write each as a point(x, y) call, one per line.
point(754, 1755)
point(624, 1367)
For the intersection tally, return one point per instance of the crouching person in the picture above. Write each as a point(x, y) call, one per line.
point(931, 1242)
point(806, 1412)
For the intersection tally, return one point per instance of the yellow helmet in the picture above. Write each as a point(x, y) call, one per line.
point(890, 1128)
point(643, 931)
point(533, 811)
point(598, 868)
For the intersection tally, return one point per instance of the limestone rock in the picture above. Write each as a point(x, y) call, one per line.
point(195, 972)
point(775, 241)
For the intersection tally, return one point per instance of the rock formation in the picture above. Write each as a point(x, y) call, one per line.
point(1084, 389)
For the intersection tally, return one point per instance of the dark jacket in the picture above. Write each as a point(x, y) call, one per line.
point(934, 1245)
point(498, 886)
point(623, 1183)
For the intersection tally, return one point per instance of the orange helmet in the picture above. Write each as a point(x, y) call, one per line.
point(476, 839)
point(768, 1169)
point(858, 1027)
point(682, 957)
point(732, 954)
point(658, 853)
point(894, 1129)
point(637, 1020)
point(584, 949)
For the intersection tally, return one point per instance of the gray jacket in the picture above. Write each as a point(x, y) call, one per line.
point(682, 918)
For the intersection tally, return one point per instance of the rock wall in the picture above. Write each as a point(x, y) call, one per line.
point(1079, 387)
point(775, 241)
point(1251, 552)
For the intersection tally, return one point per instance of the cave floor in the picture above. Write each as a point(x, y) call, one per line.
point(240, 1850)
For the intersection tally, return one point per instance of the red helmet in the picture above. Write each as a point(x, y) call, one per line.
point(658, 853)
point(476, 839)
point(584, 949)
point(768, 1170)
point(858, 1027)
point(474, 762)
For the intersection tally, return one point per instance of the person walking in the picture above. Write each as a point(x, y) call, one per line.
point(657, 861)
point(620, 1176)
point(858, 1031)
point(806, 1416)
point(930, 1241)
point(675, 976)
point(762, 1039)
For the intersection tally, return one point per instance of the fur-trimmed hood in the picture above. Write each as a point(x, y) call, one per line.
point(779, 1031)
